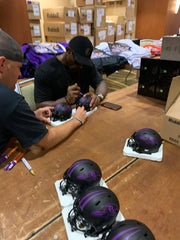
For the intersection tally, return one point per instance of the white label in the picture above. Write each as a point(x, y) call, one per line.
point(36, 30)
point(73, 28)
point(89, 15)
point(100, 14)
point(86, 29)
point(89, 2)
point(130, 25)
point(36, 10)
point(129, 3)
point(70, 13)
point(119, 31)
point(110, 30)
point(102, 35)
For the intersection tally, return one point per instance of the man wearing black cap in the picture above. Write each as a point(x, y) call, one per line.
point(16, 118)
point(64, 77)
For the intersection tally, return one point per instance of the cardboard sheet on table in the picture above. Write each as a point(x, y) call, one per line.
point(56, 123)
point(153, 156)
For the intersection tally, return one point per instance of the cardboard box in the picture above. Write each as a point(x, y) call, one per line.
point(84, 29)
point(130, 13)
point(56, 39)
point(35, 29)
point(64, 14)
point(110, 31)
point(33, 9)
point(170, 130)
point(60, 29)
point(83, 3)
point(115, 9)
point(99, 16)
point(100, 35)
point(36, 39)
point(86, 14)
point(170, 49)
point(116, 19)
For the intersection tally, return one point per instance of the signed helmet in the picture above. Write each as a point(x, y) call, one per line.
point(94, 211)
point(62, 112)
point(131, 230)
point(80, 175)
point(145, 140)
point(84, 101)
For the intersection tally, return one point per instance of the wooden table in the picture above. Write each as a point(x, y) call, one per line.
point(147, 191)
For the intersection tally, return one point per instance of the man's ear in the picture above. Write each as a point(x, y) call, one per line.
point(68, 49)
point(2, 61)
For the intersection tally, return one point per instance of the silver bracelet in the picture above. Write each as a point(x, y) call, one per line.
point(78, 120)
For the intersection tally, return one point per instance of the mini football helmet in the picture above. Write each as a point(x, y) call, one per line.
point(145, 140)
point(62, 111)
point(84, 101)
point(80, 175)
point(94, 211)
point(131, 230)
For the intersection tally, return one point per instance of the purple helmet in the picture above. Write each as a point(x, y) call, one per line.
point(80, 175)
point(84, 101)
point(94, 211)
point(62, 112)
point(131, 230)
point(145, 140)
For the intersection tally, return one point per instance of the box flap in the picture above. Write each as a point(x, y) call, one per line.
point(174, 91)
point(174, 110)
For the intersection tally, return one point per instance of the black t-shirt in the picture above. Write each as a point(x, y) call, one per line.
point(52, 79)
point(17, 120)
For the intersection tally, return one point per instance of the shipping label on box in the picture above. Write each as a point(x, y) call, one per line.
point(33, 9)
point(170, 49)
point(120, 31)
point(100, 35)
point(35, 29)
point(82, 3)
point(110, 31)
point(84, 29)
point(71, 29)
point(86, 14)
point(130, 26)
point(99, 16)
point(170, 130)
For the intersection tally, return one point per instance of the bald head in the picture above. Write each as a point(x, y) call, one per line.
point(9, 48)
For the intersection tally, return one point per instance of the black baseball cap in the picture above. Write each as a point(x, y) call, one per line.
point(82, 49)
point(9, 48)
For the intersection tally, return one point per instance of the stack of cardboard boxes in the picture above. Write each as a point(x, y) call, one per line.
point(34, 15)
point(123, 14)
point(60, 24)
point(87, 19)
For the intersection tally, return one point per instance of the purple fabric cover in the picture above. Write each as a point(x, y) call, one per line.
point(32, 59)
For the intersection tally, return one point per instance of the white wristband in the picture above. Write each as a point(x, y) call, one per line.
point(78, 120)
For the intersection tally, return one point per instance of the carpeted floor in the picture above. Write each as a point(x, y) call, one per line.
point(120, 79)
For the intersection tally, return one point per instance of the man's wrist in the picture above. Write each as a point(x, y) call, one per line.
point(81, 123)
point(66, 100)
point(100, 96)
